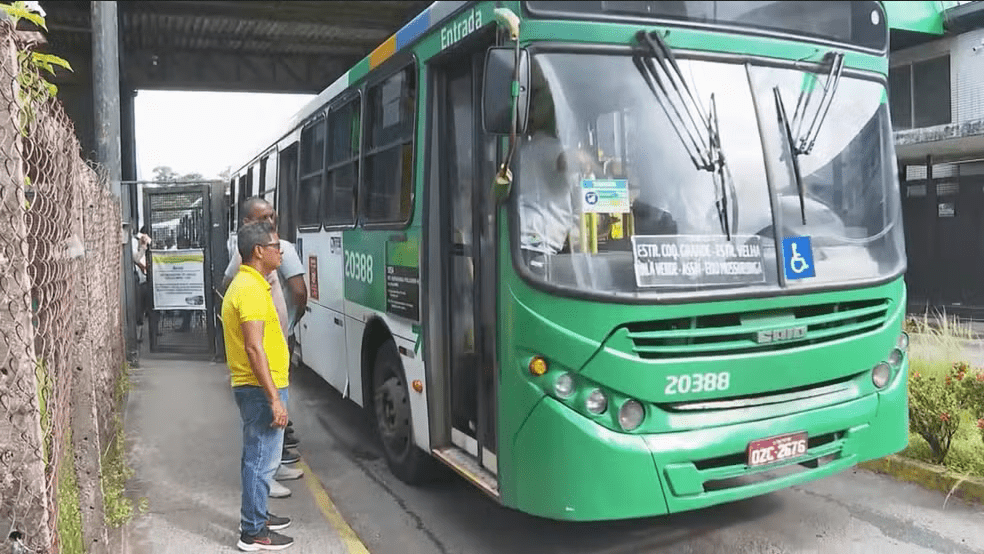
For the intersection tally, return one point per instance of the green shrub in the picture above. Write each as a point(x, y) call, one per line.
point(972, 397)
point(934, 410)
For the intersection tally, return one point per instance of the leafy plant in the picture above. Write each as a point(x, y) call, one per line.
point(972, 397)
point(934, 410)
point(32, 88)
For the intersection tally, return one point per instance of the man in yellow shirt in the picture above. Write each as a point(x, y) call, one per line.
point(257, 357)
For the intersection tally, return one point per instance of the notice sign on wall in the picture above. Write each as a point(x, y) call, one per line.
point(693, 260)
point(179, 279)
point(403, 291)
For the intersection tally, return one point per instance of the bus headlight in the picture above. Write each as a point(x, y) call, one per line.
point(881, 374)
point(596, 402)
point(564, 385)
point(631, 414)
point(895, 358)
point(902, 343)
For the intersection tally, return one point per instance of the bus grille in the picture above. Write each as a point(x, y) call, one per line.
point(725, 334)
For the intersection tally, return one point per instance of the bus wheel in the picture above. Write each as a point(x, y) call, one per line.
point(394, 423)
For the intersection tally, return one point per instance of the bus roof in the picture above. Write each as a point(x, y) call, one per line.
point(433, 15)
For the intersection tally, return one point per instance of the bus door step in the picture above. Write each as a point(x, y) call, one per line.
point(468, 467)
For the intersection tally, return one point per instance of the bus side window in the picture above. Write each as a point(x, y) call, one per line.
point(390, 109)
point(243, 195)
point(249, 181)
point(233, 205)
point(309, 190)
point(268, 176)
point(342, 163)
point(287, 191)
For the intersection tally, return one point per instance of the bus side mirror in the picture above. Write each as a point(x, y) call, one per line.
point(497, 100)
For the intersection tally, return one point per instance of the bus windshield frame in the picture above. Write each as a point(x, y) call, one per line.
point(858, 25)
point(786, 199)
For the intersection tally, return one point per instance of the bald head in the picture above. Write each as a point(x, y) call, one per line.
point(256, 209)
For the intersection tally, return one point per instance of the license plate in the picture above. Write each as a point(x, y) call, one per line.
point(777, 449)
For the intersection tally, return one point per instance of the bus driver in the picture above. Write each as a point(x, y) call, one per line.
point(547, 177)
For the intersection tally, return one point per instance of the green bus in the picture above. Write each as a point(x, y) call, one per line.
point(607, 259)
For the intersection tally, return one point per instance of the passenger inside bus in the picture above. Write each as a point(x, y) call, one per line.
point(548, 175)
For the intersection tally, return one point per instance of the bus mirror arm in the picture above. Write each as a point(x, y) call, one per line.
point(502, 184)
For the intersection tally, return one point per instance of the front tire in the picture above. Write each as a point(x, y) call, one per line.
point(394, 422)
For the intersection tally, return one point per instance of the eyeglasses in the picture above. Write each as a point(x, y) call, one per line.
point(271, 245)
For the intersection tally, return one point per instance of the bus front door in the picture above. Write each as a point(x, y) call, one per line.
point(468, 161)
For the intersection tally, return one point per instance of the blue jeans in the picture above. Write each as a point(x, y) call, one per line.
point(262, 448)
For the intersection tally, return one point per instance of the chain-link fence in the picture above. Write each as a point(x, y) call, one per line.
point(61, 345)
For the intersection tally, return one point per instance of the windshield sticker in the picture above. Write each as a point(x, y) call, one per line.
point(605, 196)
point(797, 258)
point(696, 260)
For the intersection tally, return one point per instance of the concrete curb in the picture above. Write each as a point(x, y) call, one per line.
point(930, 476)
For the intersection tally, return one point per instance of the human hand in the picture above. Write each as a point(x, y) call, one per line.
point(279, 414)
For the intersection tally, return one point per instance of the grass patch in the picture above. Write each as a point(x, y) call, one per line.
point(69, 509)
point(119, 509)
point(966, 451)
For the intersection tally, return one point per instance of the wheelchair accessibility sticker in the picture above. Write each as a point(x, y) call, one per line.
point(797, 258)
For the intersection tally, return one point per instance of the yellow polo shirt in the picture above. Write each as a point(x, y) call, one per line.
point(249, 299)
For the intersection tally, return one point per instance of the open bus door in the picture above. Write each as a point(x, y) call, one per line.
point(467, 164)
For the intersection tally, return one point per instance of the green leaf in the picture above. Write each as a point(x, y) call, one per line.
point(18, 11)
point(50, 59)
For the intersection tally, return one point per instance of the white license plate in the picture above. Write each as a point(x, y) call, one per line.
point(777, 449)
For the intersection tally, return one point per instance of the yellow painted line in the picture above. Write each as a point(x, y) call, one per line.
point(352, 542)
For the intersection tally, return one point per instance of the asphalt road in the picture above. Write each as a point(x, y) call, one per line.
point(855, 511)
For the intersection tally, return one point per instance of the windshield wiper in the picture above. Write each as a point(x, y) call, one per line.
point(801, 144)
point(787, 133)
point(804, 142)
point(702, 140)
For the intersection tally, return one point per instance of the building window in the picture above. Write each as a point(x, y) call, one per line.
point(389, 150)
point(920, 93)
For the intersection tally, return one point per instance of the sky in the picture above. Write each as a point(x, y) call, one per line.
point(206, 132)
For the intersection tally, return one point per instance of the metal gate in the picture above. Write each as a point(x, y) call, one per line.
point(179, 276)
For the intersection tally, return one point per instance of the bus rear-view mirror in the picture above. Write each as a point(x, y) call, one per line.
point(497, 101)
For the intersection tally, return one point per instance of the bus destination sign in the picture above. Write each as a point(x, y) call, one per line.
point(695, 260)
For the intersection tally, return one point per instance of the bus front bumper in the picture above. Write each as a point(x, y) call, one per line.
point(574, 469)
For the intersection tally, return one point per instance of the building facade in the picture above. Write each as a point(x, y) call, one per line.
point(936, 95)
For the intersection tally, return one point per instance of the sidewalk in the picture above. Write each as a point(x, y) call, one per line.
point(184, 436)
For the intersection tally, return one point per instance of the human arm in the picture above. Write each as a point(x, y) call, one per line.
point(298, 294)
point(293, 273)
point(258, 362)
point(234, 262)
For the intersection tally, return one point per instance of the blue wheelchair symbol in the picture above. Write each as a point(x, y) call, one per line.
point(591, 198)
point(797, 258)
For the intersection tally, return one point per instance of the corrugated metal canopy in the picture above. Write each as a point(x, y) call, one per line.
point(310, 43)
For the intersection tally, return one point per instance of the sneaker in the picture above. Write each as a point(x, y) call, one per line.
point(265, 540)
point(290, 441)
point(289, 457)
point(273, 523)
point(278, 491)
point(285, 473)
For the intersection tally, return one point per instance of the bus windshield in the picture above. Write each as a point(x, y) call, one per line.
point(610, 201)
